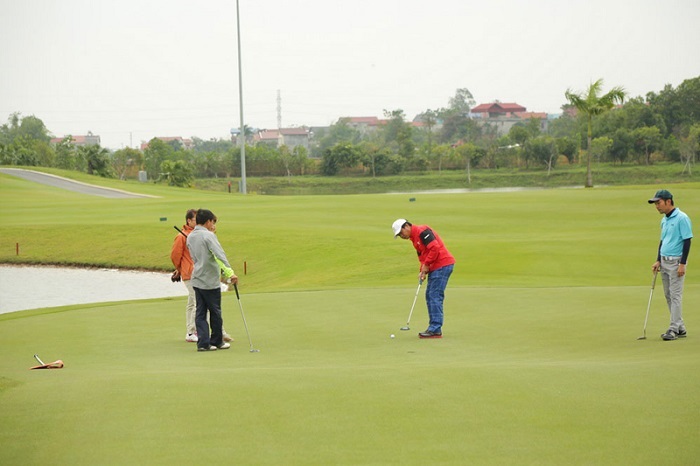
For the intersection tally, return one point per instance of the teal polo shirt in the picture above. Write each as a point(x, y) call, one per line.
point(675, 228)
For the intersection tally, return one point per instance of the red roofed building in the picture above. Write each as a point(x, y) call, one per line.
point(290, 137)
point(87, 140)
point(528, 115)
point(359, 121)
point(504, 116)
point(184, 143)
point(364, 125)
point(497, 109)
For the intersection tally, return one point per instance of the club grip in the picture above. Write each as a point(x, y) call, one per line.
point(235, 287)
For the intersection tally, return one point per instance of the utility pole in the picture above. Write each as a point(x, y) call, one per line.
point(244, 189)
point(279, 109)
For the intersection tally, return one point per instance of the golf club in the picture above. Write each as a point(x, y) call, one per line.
point(651, 293)
point(181, 232)
point(36, 356)
point(238, 296)
point(420, 282)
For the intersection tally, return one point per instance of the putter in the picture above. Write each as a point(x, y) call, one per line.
point(651, 293)
point(238, 296)
point(420, 282)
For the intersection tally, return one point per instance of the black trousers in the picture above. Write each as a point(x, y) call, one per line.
point(208, 301)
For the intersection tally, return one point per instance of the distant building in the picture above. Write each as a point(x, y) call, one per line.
point(364, 125)
point(498, 109)
point(503, 116)
point(290, 137)
point(87, 140)
point(421, 121)
point(270, 137)
point(184, 143)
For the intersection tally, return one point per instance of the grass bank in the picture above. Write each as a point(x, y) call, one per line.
point(554, 237)
point(567, 176)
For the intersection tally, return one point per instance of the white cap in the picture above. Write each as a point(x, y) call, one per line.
point(396, 226)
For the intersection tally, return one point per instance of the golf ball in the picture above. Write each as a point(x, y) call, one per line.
point(392, 335)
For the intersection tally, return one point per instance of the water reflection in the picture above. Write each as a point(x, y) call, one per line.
point(30, 287)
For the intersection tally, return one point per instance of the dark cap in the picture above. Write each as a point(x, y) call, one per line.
point(661, 194)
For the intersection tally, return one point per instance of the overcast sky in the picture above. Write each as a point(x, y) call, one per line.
point(130, 70)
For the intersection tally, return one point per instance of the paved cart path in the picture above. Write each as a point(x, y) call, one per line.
point(65, 183)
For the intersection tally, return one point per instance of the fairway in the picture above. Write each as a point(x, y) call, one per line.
point(539, 364)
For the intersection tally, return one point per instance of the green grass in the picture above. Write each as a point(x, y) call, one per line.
point(539, 363)
point(523, 376)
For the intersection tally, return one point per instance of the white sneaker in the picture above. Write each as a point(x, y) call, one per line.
point(191, 337)
point(211, 348)
point(228, 338)
point(224, 346)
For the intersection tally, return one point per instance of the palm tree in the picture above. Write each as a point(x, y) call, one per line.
point(591, 104)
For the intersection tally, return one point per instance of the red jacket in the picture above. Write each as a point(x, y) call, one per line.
point(431, 250)
point(180, 255)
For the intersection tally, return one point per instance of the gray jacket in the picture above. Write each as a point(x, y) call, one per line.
point(205, 249)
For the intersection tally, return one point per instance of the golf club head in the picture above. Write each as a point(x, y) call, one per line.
point(405, 328)
point(642, 338)
point(254, 350)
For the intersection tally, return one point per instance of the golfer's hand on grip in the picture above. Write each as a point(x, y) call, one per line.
point(423, 273)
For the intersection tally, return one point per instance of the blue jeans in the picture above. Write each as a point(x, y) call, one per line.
point(208, 300)
point(435, 296)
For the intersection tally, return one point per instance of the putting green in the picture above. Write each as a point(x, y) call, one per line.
point(522, 376)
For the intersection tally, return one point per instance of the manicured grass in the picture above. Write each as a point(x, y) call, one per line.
point(522, 376)
point(539, 364)
point(556, 237)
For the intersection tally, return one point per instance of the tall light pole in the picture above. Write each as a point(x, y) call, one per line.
point(244, 189)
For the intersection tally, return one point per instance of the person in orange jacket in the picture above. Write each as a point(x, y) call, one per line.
point(436, 264)
point(181, 259)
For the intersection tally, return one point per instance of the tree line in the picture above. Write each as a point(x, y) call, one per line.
point(662, 126)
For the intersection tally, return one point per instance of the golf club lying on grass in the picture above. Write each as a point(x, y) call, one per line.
point(238, 296)
point(420, 282)
point(58, 364)
point(651, 293)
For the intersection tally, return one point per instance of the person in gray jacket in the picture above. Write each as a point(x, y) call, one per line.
point(205, 249)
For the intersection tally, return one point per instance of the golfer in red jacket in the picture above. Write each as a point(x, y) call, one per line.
point(436, 263)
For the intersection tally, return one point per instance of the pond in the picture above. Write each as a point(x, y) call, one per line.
point(32, 287)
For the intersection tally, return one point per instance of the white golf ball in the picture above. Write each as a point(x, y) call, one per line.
point(392, 335)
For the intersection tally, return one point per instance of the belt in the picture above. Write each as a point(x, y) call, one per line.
point(670, 258)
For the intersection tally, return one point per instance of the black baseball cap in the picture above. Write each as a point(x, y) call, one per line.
point(661, 194)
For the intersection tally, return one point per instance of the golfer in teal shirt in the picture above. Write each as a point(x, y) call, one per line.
point(672, 258)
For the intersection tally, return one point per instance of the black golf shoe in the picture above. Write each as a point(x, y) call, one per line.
point(670, 335)
point(429, 334)
point(682, 333)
